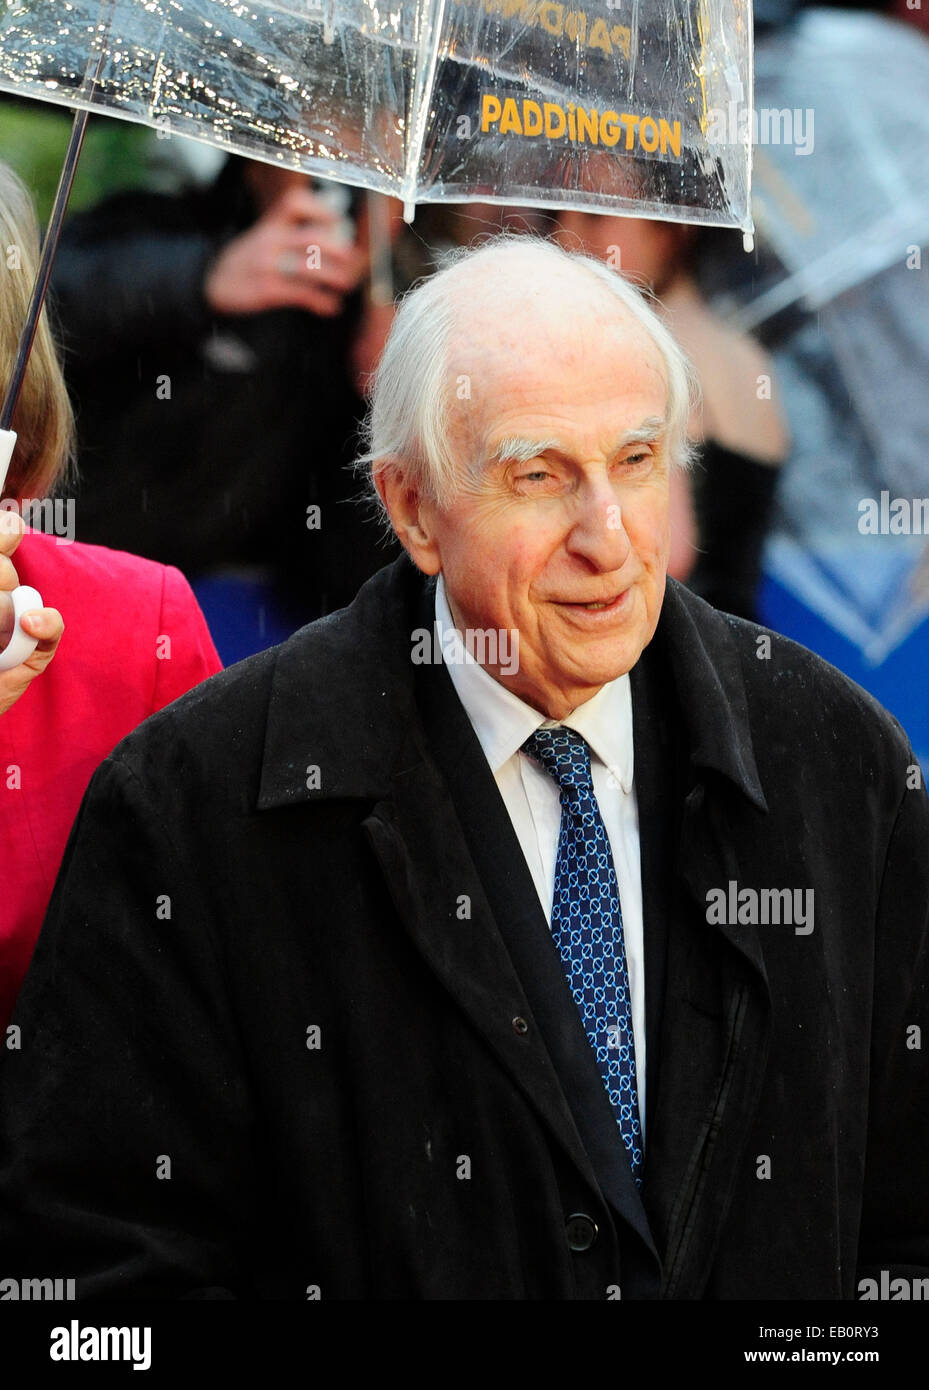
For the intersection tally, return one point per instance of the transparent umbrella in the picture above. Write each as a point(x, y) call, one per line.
point(538, 101)
point(848, 199)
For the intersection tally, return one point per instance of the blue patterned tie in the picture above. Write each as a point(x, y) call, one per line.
point(587, 926)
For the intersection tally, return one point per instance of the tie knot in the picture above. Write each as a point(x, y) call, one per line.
point(565, 755)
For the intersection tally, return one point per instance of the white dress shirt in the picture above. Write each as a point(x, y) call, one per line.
point(502, 723)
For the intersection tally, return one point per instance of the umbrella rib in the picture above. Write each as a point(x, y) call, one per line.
point(52, 235)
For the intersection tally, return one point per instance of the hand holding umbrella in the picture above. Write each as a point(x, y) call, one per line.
point(29, 633)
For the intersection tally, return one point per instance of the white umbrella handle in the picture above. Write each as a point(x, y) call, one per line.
point(21, 645)
point(7, 445)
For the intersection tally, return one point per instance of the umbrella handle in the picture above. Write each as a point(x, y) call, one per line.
point(7, 445)
point(21, 645)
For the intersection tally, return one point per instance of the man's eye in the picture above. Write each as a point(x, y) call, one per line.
point(536, 477)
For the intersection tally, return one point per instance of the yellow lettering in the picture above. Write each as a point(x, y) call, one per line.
point(670, 137)
point(622, 38)
point(532, 118)
point(551, 112)
point(551, 17)
point(586, 125)
point(490, 111)
point(510, 123)
point(652, 134)
point(609, 128)
point(600, 37)
point(630, 122)
point(575, 26)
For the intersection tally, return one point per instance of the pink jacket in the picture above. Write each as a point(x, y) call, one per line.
point(134, 640)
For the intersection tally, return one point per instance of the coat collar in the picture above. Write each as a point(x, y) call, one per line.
point(342, 694)
point(707, 669)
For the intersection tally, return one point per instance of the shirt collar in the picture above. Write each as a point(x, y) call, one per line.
point(503, 722)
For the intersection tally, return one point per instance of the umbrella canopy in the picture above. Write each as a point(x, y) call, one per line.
point(591, 104)
point(847, 194)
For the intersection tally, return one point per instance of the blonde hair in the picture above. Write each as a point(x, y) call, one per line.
point(43, 418)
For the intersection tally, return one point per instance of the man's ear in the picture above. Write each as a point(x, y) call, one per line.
point(409, 516)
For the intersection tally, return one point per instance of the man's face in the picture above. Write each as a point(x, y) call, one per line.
point(564, 502)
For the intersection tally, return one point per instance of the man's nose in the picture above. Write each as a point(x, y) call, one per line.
point(599, 533)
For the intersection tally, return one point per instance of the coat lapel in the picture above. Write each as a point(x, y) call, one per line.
point(715, 1019)
point(441, 900)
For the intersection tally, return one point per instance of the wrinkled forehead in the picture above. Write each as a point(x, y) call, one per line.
point(548, 345)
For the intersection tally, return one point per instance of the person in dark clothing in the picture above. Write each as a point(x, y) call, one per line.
point(209, 351)
point(471, 979)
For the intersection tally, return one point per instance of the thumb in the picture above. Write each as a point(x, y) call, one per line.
point(15, 682)
point(47, 626)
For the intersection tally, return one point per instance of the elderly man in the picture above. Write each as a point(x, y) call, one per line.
point(526, 930)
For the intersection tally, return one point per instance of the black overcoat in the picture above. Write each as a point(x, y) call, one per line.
point(296, 1023)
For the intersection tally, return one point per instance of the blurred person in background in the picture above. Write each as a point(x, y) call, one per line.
point(739, 427)
point(135, 637)
point(217, 342)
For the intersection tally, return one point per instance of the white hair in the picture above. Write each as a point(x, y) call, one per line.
point(408, 414)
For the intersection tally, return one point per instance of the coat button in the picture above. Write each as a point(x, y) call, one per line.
point(520, 1025)
point(581, 1231)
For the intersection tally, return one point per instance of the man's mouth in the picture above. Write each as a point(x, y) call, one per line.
point(594, 605)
